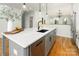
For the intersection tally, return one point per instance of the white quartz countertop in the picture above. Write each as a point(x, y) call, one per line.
point(27, 37)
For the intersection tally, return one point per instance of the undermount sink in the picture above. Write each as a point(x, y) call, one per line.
point(42, 30)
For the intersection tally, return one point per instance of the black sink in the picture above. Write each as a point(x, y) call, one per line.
point(42, 31)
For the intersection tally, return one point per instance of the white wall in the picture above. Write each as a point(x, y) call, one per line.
point(53, 8)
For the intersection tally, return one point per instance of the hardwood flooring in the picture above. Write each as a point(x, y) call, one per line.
point(64, 47)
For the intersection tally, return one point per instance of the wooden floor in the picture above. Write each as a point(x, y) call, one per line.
point(64, 47)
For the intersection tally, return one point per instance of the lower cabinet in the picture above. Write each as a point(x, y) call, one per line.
point(49, 41)
point(53, 36)
point(38, 48)
point(43, 45)
point(47, 44)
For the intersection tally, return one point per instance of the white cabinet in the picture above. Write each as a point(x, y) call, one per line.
point(53, 34)
point(49, 41)
point(47, 44)
point(63, 30)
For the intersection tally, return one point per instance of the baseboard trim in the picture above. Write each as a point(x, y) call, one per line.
point(64, 36)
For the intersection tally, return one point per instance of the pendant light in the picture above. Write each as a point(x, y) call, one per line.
point(24, 5)
point(46, 9)
point(39, 8)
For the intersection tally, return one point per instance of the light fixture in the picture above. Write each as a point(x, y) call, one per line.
point(59, 13)
point(24, 5)
point(65, 19)
point(39, 8)
point(46, 14)
point(46, 9)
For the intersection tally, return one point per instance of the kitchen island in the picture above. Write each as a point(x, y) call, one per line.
point(19, 43)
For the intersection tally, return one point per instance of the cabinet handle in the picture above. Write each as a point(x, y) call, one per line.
point(38, 44)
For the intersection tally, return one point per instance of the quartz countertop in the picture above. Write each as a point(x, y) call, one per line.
point(27, 37)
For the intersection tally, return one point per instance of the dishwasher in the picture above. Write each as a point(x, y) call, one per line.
point(38, 48)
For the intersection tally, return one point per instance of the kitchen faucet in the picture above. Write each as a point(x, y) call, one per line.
point(43, 22)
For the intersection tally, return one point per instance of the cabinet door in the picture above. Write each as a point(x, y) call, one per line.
point(47, 44)
point(49, 41)
point(53, 34)
point(38, 48)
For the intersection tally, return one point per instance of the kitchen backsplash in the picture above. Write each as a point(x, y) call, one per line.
point(8, 13)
